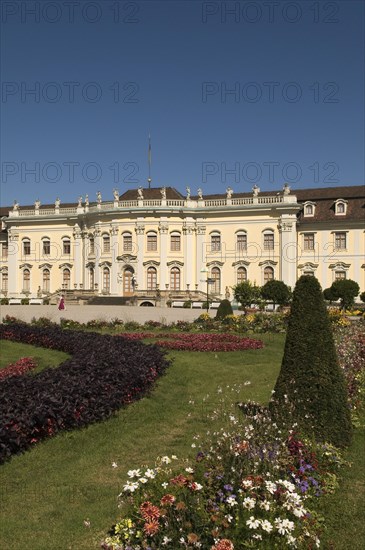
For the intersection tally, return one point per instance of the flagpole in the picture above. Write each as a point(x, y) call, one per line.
point(149, 161)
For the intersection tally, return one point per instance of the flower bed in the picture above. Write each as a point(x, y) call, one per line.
point(252, 485)
point(103, 374)
point(23, 365)
point(198, 342)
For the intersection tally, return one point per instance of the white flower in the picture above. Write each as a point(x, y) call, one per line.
point(253, 523)
point(270, 486)
point(131, 486)
point(150, 473)
point(166, 460)
point(291, 540)
point(231, 500)
point(290, 486)
point(166, 540)
point(265, 505)
point(266, 525)
point(257, 536)
point(229, 518)
point(134, 473)
point(249, 503)
point(193, 445)
point(284, 526)
point(174, 457)
point(247, 483)
point(189, 470)
point(164, 485)
point(143, 479)
point(114, 465)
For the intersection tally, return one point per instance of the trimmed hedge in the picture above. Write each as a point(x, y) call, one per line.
point(104, 374)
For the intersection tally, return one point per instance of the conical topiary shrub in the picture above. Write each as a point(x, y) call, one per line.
point(224, 309)
point(310, 389)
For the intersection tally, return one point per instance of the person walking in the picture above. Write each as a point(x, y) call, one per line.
point(61, 304)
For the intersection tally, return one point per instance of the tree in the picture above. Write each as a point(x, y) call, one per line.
point(346, 290)
point(362, 296)
point(277, 292)
point(311, 388)
point(224, 309)
point(246, 293)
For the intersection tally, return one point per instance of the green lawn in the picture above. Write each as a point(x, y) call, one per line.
point(47, 493)
point(11, 352)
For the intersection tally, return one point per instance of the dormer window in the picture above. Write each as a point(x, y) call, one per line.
point(340, 207)
point(309, 208)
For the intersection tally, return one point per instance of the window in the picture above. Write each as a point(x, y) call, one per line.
point(46, 247)
point(340, 208)
point(127, 242)
point(268, 241)
point(66, 279)
point(4, 282)
point(175, 278)
point(46, 280)
point(91, 278)
point(268, 274)
point(215, 242)
point(26, 280)
point(151, 278)
point(241, 242)
point(66, 246)
point(106, 280)
point(106, 244)
point(4, 251)
point(91, 245)
point(216, 276)
point(308, 241)
point(241, 275)
point(340, 275)
point(308, 210)
point(309, 273)
point(340, 241)
point(26, 247)
point(151, 242)
point(175, 242)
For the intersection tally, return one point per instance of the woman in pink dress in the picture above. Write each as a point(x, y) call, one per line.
point(61, 304)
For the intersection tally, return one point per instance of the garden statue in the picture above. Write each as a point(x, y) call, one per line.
point(227, 294)
point(255, 190)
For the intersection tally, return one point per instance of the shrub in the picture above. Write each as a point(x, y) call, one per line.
point(103, 374)
point(187, 304)
point(25, 301)
point(4, 301)
point(362, 296)
point(224, 309)
point(311, 385)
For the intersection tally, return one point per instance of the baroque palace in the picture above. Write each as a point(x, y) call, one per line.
point(156, 244)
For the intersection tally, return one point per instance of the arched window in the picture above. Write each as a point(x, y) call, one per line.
point(4, 281)
point(66, 246)
point(46, 279)
point(91, 278)
point(268, 274)
point(66, 279)
point(46, 246)
point(26, 247)
point(175, 278)
point(215, 242)
point(340, 208)
point(106, 244)
point(127, 242)
point(106, 280)
point(26, 280)
point(268, 240)
point(241, 242)
point(241, 275)
point(309, 210)
point(151, 241)
point(175, 242)
point(216, 276)
point(151, 278)
point(91, 245)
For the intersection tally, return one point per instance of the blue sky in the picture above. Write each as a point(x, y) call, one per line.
point(232, 93)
